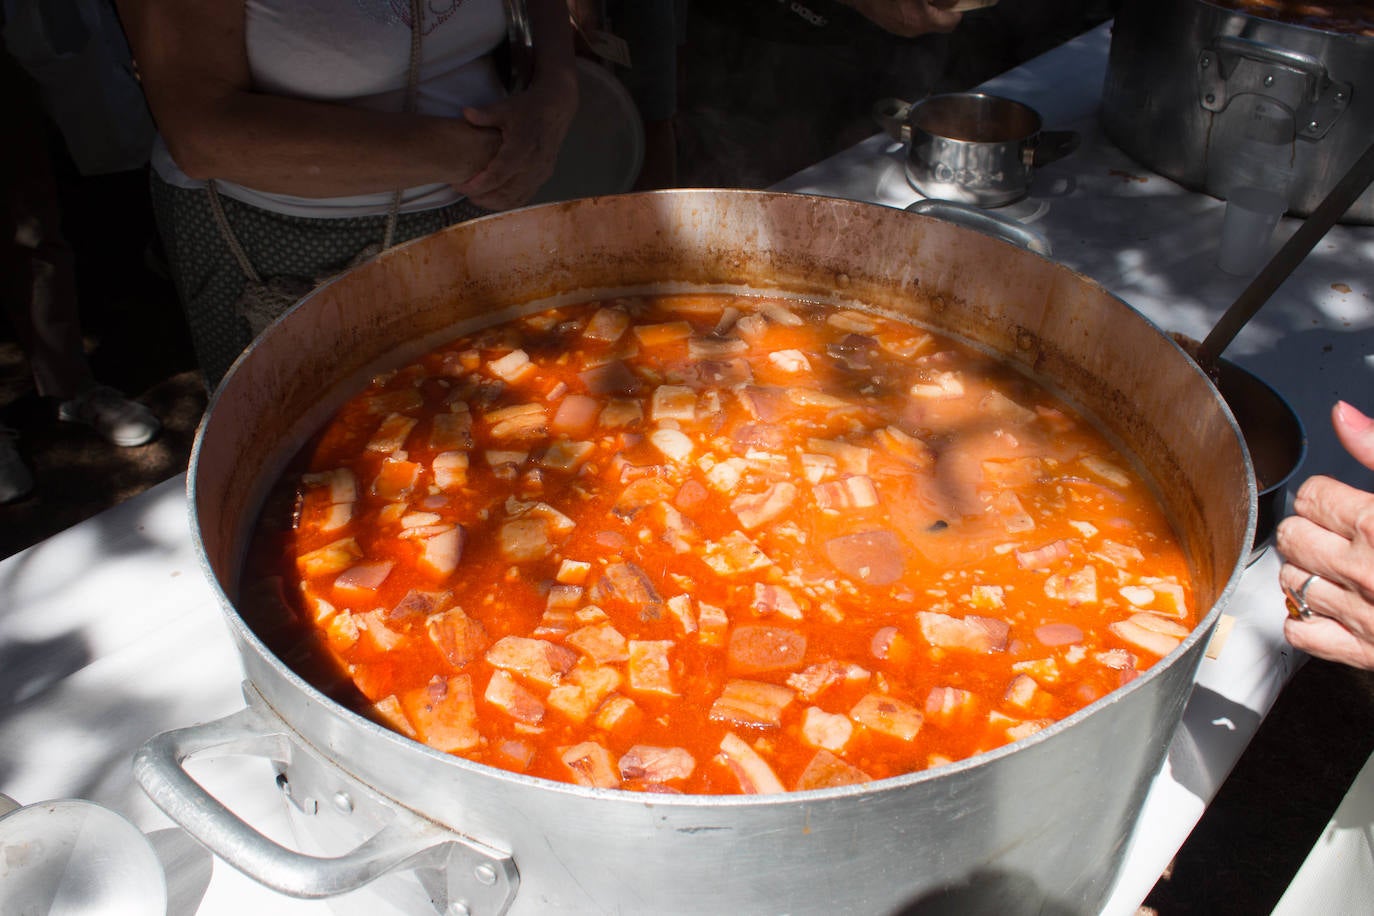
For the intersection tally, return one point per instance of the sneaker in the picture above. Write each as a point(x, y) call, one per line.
point(118, 419)
point(16, 481)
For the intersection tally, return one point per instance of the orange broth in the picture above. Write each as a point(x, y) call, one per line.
point(714, 544)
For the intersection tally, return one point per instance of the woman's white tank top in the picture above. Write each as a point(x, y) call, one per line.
point(357, 52)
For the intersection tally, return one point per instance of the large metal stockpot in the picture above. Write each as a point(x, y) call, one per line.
point(1038, 826)
point(1193, 90)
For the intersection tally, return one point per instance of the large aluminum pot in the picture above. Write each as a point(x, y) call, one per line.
point(1194, 90)
point(1037, 826)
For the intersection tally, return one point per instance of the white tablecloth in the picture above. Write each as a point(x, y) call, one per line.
point(110, 633)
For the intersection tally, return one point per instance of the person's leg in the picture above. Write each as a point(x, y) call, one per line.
point(40, 289)
point(40, 272)
point(48, 324)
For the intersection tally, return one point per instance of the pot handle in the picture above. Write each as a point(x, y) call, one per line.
point(1270, 54)
point(1053, 145)
point(994, 224)
point(891, 117)
point(1319, 103)
point(407, 841)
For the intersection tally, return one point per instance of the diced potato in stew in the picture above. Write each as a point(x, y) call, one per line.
point(714, 544)
point(444, 713)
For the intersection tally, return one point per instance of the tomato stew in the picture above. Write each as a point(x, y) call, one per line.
point(714, 544)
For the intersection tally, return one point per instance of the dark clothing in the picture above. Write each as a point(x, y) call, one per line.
point(209, 281)
point(773, 86)
point(782, 91)
point(793, 21)
point(652, 30)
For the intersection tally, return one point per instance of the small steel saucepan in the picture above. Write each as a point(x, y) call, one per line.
point(972, 147)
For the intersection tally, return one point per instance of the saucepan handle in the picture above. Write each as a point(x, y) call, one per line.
point(406, 841)
point(890, 114)
point(1053, 145)
point(980, 220)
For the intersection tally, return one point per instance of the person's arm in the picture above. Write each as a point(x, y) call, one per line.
point(908, 18)
point(1331, 535)
point(534, 122)
point(193, 63)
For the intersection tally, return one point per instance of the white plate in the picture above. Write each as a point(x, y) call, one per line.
point(70, 857)
point(604, 149)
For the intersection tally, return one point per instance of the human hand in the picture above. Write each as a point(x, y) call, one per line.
point(1328, 549)
point(531, 125)
point(908, 18)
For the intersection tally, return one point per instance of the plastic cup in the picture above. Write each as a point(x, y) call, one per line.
point(1248, 227)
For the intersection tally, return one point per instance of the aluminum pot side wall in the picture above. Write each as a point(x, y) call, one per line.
point(1038, 828)
point(1051, 813)
point(1151, 105)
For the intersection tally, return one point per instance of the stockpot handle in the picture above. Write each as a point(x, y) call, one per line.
point(1325, 98)
point(407, 841)
point(994, 224)
point(1284, 57)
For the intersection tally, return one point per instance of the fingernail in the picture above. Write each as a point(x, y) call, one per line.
point(1352, 417)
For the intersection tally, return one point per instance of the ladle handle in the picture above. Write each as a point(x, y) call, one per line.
point(1288, 257)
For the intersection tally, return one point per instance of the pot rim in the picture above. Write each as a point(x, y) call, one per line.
point(245, 634)
point(1017, 122)
point(1292, 416)
point(1283, 23)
